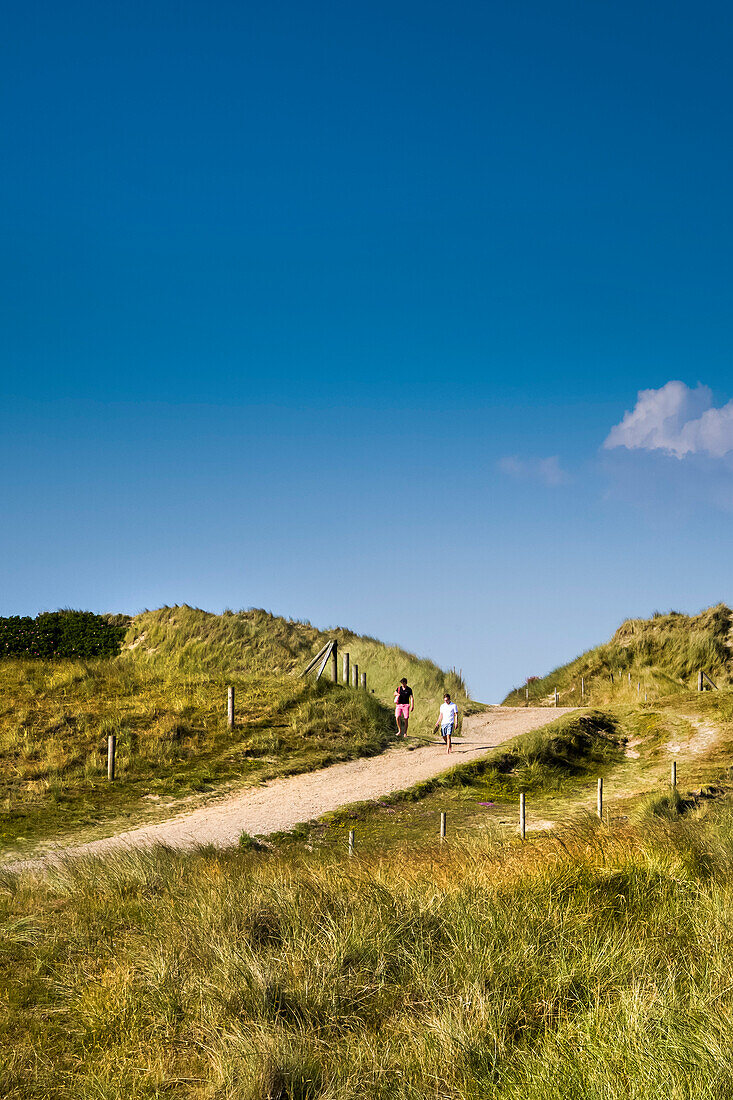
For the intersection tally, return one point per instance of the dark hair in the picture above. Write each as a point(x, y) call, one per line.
point(403, 680)
point(446, 695)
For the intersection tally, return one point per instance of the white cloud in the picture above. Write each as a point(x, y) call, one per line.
point(547, 470)
point(678, 420)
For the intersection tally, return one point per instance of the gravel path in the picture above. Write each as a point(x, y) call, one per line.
point(283, 803)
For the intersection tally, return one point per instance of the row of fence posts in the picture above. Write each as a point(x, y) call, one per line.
point(522, 812)
point(351, 673)
point(702, 680)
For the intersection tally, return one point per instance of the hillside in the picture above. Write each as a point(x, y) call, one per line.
point(164, 699)
point(256, 642)
point(644, 658)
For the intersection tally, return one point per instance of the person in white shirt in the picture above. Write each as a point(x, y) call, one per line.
point(448, 721)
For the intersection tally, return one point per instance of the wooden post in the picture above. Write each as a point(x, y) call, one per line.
point(673, 779)
point(629, 677)
point(557, 698)
point(600, 799)
point(582, 687)
point(111, 747)
point(335, 663)
point(522, 818)
point(700, 684)
point(230, 708)
point(351, 842)
point(363, 680)
point(355, 674)
point(346, 669)
point(526, 695)
point(443, 818)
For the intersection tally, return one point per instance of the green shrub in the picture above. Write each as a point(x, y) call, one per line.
point(56, 634)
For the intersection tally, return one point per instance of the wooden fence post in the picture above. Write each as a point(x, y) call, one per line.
point(335, 663)
point(600, 799)
point(557, 698)
point(443, 819)
point(522, 817)
point(700, 684)
point(346, 669)
point(230, 708)
point(526, 696)
point(582, 687)
point(363, 680)
point(673, 779)
point(111, 747)
point(355, 674)
point(351, 842)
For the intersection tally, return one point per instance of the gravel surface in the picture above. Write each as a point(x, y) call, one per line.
point(283, 803)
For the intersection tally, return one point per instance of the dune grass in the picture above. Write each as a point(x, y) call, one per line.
point(594, 965)
point(646, 657)
point(172, 739)
point(255, 641)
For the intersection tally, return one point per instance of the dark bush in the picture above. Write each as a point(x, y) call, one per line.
point(62, 634)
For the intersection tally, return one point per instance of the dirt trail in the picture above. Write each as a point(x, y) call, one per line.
point(283, 803)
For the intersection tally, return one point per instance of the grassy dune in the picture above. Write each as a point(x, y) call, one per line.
point(172, 739)
point(164, 698)
point(595, 965)
point(256, 642)
point(652, 657)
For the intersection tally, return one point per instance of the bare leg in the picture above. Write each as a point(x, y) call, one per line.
point(448, 742)
point(399, 726)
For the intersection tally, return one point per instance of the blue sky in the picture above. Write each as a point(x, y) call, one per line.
point(332, 309)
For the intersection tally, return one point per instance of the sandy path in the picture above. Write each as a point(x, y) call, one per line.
point(283, 803)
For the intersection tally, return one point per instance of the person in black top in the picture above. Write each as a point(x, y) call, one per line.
point(404, 706)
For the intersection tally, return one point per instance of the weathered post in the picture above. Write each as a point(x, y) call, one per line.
point(363, 681)
point(557, 698)
point(443, 819)
point(335, 663)
point(351, 842)
point(522, 818)
point(600, 799)
point(346, 669)
point(673, 778)
point(355, 674)
point(230, 708)
point(629, 677)
point(700, 683)
point(111, 747)
point(526, 695)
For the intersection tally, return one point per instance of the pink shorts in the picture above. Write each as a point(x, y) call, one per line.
point(402, 710)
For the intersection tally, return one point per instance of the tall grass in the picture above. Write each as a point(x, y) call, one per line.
point(188, 639)
point(662, 655)
point(594, 966)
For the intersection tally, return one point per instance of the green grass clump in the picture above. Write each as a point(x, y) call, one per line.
point(574, 745)
point(595, 966)
point(661, 655)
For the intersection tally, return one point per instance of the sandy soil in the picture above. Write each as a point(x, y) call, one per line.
point(283, 803)
point(704, 738)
